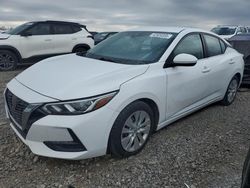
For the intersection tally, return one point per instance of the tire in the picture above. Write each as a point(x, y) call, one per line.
point(80, 50)
point(231, 91)
point(8, 60)
point(246, 172)
point(128, 136)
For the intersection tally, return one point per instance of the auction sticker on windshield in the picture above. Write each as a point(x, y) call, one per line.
point(161, 35)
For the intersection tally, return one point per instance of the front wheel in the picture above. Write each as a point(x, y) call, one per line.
point(8, 60)
point(131, 130)
point(231, 91)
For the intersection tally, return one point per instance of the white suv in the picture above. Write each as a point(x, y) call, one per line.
point(33, 41)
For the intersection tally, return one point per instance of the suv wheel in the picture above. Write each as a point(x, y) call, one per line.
point(8, 60)
point(80, 50)
point(231, 91)
point(131, 130)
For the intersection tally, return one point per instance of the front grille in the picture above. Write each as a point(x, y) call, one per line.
point(22, 114)
point(16, 107)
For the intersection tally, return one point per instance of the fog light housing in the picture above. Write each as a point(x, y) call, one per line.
point(66, 146)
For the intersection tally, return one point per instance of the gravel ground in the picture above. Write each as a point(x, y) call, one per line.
point(205, 149)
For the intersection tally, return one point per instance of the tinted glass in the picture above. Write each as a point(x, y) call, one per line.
point(213, 45)
point(133, 47)
point(76, 29)
point(62, 29)
point(224, 30)
point(39, 29)
point(19, 29)
point(190, 45)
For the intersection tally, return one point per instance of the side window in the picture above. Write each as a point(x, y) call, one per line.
point(39, 29)
point(223, 46)
point(62, 29)
point(190, 45)
point(76, 29)
point(213, 45)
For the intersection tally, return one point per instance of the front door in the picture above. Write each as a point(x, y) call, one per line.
point(186, 86)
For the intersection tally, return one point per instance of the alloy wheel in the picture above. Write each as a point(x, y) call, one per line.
point(7, 62)
point(232, 90)
point(135, 131)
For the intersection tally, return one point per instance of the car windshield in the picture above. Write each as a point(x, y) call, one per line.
point(19, 29)
point(100, 36)
point(133, 47)
point(224, 30)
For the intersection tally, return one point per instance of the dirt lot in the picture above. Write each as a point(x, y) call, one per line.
point(206, 149)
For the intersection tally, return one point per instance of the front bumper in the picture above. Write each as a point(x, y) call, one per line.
point(92, 129)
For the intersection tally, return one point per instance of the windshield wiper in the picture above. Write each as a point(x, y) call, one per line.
point(106, 59)
point(83, 54)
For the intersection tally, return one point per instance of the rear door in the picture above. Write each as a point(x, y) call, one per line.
point(63, 38)
point(38, 42)
point(216, 65)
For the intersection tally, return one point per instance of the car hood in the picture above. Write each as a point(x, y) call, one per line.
point(4, 36)
point(72, 77)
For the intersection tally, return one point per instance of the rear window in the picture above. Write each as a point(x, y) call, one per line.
point(76, 28)
point(213, 45)
point(62, 29)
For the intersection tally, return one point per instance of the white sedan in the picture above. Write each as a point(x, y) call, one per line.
point(113, 98)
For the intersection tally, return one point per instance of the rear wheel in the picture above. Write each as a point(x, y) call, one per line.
point(231, 91)
point(8, 60)
point(81, 50)
point(131, 130)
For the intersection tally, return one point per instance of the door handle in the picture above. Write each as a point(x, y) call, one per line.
point(206, 69)
point(48, 40)
point(231, 61)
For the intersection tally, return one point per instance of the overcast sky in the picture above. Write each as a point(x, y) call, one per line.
point(116, 15)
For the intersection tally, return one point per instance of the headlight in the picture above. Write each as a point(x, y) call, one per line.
point(78, 106)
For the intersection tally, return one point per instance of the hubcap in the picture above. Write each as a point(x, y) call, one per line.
point(135, 131)
point(232, 90)
point(6, 61)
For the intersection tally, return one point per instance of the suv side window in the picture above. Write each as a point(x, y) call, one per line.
point(76, 28)
point(192, 45)
point(61, 29)
point(213, 45)
point(39, 29)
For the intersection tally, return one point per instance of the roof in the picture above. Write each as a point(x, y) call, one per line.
point(170, 29)
point(60, 22)
point(229, 26)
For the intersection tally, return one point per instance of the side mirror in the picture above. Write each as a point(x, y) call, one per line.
point(185, 60)
point(26, 34)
